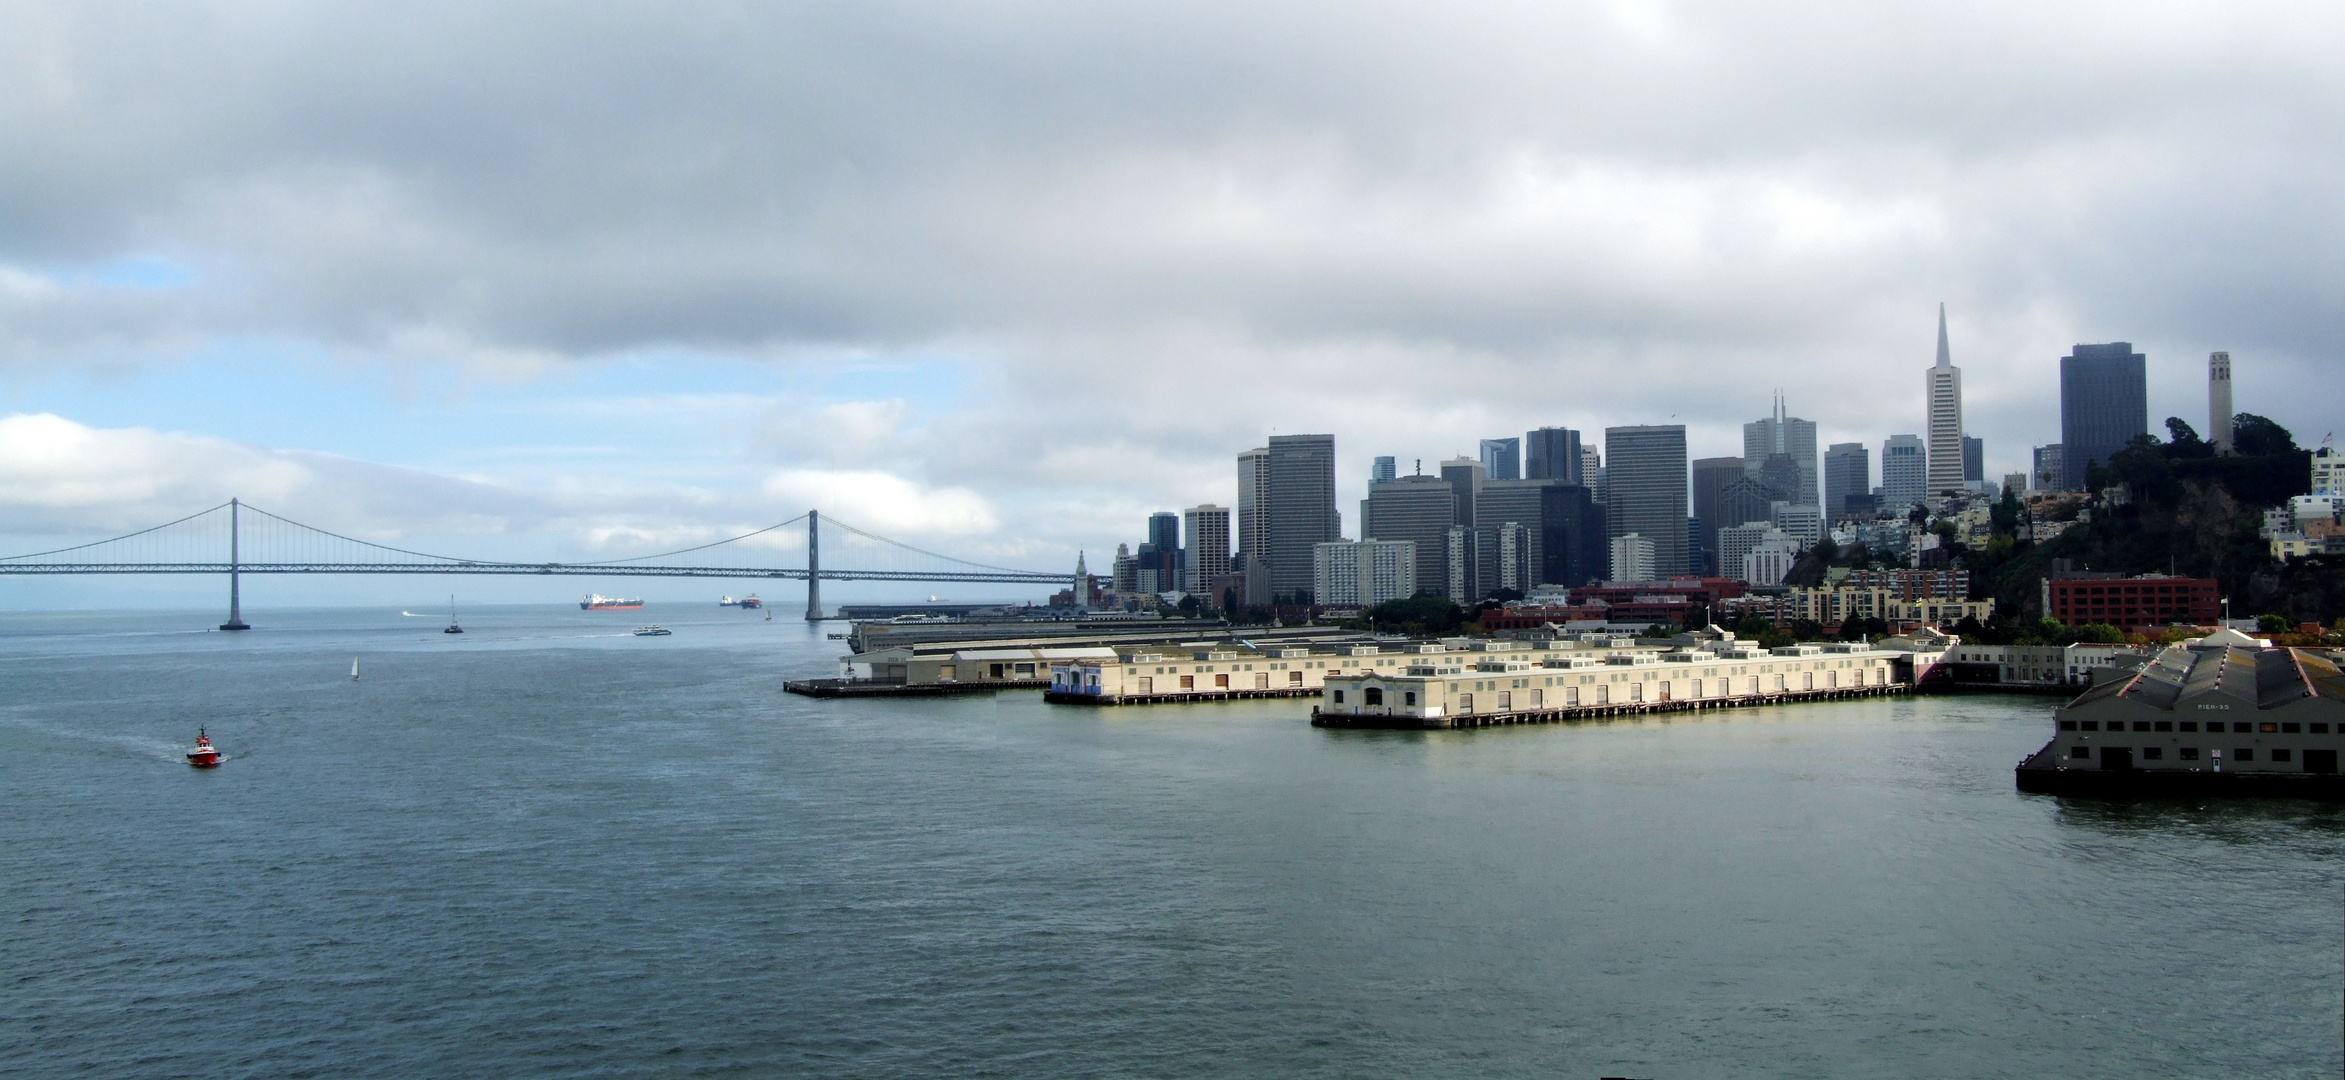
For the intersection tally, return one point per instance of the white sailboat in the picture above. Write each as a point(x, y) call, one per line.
point(354, 669)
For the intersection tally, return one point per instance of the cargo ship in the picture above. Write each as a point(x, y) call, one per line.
point(599, 602)
point(746, 602)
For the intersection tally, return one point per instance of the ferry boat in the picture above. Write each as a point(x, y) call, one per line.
point(653, 630)
point(745, 603)
point(204, 755)
point(599, 602)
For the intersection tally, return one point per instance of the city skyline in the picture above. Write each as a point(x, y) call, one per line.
point(512, 314)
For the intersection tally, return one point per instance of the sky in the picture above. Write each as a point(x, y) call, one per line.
point(579, 279)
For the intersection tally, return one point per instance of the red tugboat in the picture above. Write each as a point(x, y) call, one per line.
point(205, 755)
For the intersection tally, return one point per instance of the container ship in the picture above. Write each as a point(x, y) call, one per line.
point(599, 602)
point(749, 601)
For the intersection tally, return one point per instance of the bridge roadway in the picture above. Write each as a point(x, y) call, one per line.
point(790, 573)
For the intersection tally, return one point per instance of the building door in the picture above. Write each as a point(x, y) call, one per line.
point(1465, 703)
point(1807, 680)
point(2320, 761)
point(1221, 682)
point(1147, 684)
point(1505, 700)
point(2116, 759)
point(1294, 678)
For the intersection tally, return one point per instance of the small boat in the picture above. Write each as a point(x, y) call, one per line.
point(654, 630)
point(452, 627)
point(205, 755)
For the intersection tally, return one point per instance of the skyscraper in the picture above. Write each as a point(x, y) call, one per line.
point(1711, 475)
point(1502, 459)
point(1905, 473)
point(1553, 453)
point(2104, 404)
point(1164, 540)
point(2051, 468)
point(1563, 542)
point(1253, 536)
point(1419, 508)
point(1384, 469)
point(1942, 396)
point(1792, 438)
point(1646, 469)
point(1301, 507)
point(1974, 460)
point(1848, 470)
point(2219, 401)
point(1205, 545)
point(1465, 476)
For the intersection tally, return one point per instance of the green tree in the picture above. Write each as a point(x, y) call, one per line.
point(2255, 436)
point(2275, 624)
point(2099, 634)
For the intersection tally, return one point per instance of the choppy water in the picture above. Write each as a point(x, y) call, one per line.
point(548, 848)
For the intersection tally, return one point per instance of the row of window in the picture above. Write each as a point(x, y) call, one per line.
point(2241, 727)
point(2182, 753)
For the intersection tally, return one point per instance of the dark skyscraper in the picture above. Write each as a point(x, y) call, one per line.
point(1566, 537)
point(1711, 475)
point(1974, 459)
point(1553, 453)
point(1646, 474)
point(1848, 471)
point(1465, 478)
point(1302, 507)
point(2104, 403)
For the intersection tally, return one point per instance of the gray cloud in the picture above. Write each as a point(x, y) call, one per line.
point(1413, 225)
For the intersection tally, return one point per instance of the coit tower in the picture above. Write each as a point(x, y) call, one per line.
point(2219, 401)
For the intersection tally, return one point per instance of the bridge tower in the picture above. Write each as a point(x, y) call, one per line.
point(814, 566)
point(235, 604)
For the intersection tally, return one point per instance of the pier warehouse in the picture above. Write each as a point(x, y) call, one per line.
point(2219, 714)
point(1443, 690)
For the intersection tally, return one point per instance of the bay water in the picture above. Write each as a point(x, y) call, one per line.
point(547, 847)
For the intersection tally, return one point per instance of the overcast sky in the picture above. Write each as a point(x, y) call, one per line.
point(541, 280)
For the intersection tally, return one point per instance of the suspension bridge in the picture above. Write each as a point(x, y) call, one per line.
point(236, 538)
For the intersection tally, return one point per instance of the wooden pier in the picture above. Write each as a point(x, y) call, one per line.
point(840, 688)
point(1571, 713)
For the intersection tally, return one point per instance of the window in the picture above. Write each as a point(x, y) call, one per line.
point(1373, 696)
point(2152, 753)
point(2165, 725)
point(2240, 729)
point(2243, 754)
point(2290, 729)
point(2320, 729)
point(2080, 751)
point(1338, 694)
point(2189, 725)
point(2187, 753)
point(2279, 755)
point(1408, 698)
point(2141, 725)
point(2270, 728)
point(2092, 725)
point(2068, 725)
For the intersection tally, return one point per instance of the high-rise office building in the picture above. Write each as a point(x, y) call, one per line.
point(2051, 468)
point(1465, 476)
point(1905, 473)
point(2104, 404)
point(1385, 468)
point(1301, 507)
point(1563, 542)
point(1363, 573)
point(1418, 508)
point(1711, 475)
point(1974, 460)
point(1592, 473)
point(1162, 552)
point(2219, 401)
point(1646, 469)
point(1502, 459)
point(1942, 396)
point(1788, 437)
point(1553, 453)
point(1253, 535)
point(1205, 545)
point(1848, 471)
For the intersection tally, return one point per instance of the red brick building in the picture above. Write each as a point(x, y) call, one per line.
point(2144, 603)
